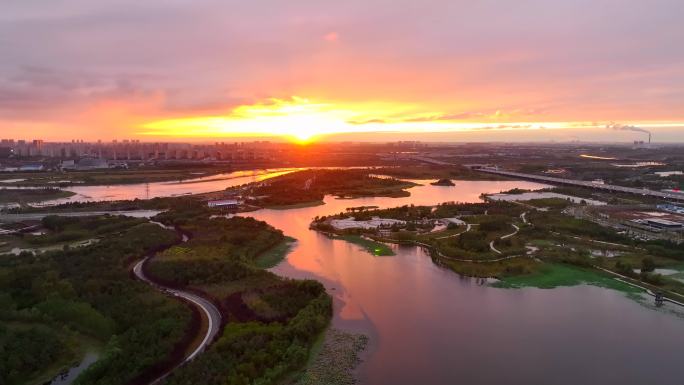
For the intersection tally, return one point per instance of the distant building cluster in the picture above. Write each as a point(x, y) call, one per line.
point(136, 150)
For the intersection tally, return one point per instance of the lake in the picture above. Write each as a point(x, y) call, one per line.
point(428, 325)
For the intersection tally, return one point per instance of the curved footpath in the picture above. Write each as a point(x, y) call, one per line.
point(206, 306)
point(468, 228)
point(491, 244)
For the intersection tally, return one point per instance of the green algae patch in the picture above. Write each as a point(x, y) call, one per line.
point(553, 275)
point(376, 248)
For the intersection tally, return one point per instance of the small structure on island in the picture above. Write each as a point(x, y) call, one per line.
point(373, 223)
point(225, 203)
point(452, 221)
point(443, 182)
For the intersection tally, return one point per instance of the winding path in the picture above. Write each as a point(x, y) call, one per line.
point(468, 227)
point(206, 306)
point(491, 244)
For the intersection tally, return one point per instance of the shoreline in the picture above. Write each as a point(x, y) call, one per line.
point(337, 361)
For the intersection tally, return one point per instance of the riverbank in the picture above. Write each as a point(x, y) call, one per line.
point(296, 205)
point(336, 360)
point(368, 300)
point(553, 275)
point(306, 187)
point(114, 176)
point(21, 196)
point(275, 254)
point(265, 315)
point(373, 247)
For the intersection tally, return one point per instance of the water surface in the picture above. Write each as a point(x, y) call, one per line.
point(428, 325)
point(167, 189)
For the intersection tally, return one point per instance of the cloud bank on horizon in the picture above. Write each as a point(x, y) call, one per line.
point(106, 69)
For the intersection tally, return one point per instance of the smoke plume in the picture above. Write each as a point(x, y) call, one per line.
point(623, 127)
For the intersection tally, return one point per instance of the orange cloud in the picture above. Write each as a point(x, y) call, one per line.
point(331, 36)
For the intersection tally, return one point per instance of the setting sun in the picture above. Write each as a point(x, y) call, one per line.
point(303, 120)
point(297, 119)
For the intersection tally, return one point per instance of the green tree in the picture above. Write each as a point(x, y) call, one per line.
point(647, 265)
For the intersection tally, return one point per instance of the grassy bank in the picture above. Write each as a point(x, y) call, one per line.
point(21, 196)
point(376, 248)
point(552, 275)
point(275, 255)
point(336, 360)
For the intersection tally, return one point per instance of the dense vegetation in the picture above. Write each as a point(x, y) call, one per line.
point(27, 350)
point(272, 322)
point(83, 293)
point(75, 295)
point(549, 236)
point(420, 220)
point(312, 185)
point(31, 195)
point(258, 352)
point(65, 229)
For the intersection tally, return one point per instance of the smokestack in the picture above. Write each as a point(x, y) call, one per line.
point(649, 138)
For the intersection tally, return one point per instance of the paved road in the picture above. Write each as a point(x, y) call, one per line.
point(212, 313)
point(581, 183)
point(599, 186)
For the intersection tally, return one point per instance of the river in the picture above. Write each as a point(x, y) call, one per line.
point(428, 325)
point(166, 189)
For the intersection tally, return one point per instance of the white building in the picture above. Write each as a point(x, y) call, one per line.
point(373, 223)
point(226, 203)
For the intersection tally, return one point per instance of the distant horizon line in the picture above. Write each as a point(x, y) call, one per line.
point(6, 141)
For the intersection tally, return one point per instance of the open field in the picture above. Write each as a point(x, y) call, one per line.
point(554, 275)
point(110, 177)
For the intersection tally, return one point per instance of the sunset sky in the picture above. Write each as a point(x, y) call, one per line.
point(448, 70)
